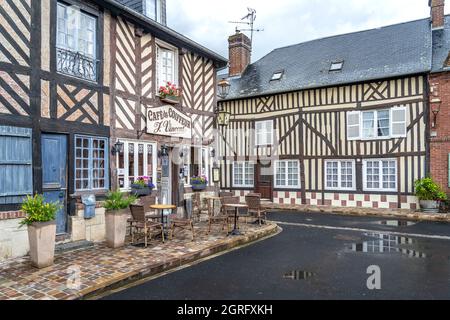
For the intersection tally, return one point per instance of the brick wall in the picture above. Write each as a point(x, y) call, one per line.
point(440, 133)
point(437, 13)
point(239, 53)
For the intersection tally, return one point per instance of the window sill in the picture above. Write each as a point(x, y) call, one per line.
point(79, 194)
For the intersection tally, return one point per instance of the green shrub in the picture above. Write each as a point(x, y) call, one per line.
point(38, 211)
point(117, 201)
point(427, 189)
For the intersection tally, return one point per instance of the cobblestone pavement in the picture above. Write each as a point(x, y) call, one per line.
point(85, 271)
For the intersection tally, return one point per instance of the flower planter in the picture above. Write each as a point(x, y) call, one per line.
point(116, 227)
point(430, 206)
point(170, 99)
point(198, 187)
point(41, 236)
point(141, 191)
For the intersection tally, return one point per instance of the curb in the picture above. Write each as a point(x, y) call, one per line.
point(358, 212)
point(169, 265)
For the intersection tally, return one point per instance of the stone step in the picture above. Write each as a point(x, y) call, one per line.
point(70, 246)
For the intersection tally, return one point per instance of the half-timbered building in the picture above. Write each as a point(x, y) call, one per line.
point(77, 79)
point(339, 121)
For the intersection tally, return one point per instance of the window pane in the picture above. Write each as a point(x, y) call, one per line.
point(368, 124)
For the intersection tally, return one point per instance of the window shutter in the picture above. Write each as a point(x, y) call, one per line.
point(353, 125)
point(398, 122)
point(158, 68)
point(15, 164)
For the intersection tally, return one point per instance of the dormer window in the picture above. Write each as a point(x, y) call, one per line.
point(336, 66)
point(152, 9)
point(277, 75)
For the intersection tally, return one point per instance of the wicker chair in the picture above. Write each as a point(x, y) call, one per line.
point(225, 194)
point(146, 202)
point(254, 207)
point(198, 207)
point(220, 218)
point(141, 225)
point(181, 223)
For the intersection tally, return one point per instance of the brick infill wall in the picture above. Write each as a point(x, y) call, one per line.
point(8, 215)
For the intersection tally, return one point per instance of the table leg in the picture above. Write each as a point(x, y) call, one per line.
point(235, 231)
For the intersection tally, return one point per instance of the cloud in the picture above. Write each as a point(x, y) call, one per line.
point(286, 22)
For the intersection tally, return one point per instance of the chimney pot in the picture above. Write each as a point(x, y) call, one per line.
point(240, 50)
point(437, 13)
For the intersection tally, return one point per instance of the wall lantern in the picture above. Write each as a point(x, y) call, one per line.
point(164, 152)
point(435, 109)
point(117, 148)
point(223, 88)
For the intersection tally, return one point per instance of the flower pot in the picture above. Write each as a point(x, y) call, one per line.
point(116, 227)
point(141, 191)
point(170, 99)
point(430, 206)
point(198, 187)
point(41, 236)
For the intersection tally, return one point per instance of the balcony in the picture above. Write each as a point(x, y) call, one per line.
point(76, 64)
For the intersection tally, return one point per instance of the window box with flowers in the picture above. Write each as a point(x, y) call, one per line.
point(143, 186)
point(170, 93)
point(199, 183)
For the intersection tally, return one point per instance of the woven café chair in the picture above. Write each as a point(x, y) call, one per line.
point(229, 212)
point(253, 202)
point(141, 225)
point(181, 223)
point(220, 218)
point(198, 207)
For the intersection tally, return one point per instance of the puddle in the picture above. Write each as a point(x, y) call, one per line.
point(396, 223)
point(386, 243)
point(298, 275)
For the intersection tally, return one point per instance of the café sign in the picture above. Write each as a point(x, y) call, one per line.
point(168, 121)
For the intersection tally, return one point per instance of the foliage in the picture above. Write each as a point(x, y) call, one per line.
point(116, 200)
point(143, 182)
point(199, 180)
point(427, 189)
point(169, 90)
point(38, 211)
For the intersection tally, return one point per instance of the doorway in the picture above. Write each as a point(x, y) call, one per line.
point(264, 179)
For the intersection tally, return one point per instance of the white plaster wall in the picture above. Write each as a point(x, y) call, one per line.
point(13, 240)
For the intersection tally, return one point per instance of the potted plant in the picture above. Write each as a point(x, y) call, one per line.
point(143, 186)
point(169, 93)
point(40, 219)
point(116, 215)
point(430, 195)
point(199, 183)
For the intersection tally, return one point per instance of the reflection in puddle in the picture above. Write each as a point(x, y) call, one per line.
point(385, 244)
point(396, 223)
point(298, 275)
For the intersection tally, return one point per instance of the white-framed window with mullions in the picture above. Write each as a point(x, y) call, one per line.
point(340, 175)
point(166, 64)
point(380, 175)
point(243, 174)
point(138, 159)
point(197, 162)
point(287, 174)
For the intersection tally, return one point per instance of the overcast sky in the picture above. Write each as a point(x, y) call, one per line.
point(287, 22)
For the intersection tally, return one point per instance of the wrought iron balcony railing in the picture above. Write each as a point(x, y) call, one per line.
point(76, 64)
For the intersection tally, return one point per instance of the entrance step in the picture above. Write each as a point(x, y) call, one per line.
point(64, 247)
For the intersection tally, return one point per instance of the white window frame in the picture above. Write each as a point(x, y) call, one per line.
point(158, 13)
point(268, 128)
point(380, 167)
point(339, 187)
point(392, 123)
point(252, 166)
point(77, 31)
point(126, 175)
point(286, 175)
point(163, 46)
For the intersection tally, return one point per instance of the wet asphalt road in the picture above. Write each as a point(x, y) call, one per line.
point(414, 264)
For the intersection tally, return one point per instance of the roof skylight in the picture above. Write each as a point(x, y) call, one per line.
point(336, 66)
point(277, 75)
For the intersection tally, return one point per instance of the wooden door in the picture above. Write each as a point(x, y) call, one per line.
point(54, 175)
point(264, 180)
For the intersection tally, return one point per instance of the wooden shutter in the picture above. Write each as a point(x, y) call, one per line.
point(398, 122)
point(353, 125)
point(15, 164)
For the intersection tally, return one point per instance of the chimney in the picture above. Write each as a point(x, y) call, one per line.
point(240, 50)
point(437, 13)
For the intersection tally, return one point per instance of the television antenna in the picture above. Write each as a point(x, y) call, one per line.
point(248, 20)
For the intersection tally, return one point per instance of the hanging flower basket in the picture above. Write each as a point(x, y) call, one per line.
point(142, 187)
point(199, 183)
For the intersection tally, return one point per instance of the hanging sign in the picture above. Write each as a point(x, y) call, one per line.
point(168, 121)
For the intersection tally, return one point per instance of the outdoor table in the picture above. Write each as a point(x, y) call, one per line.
point(213, 199)
point(237, 206)
point(161, 208)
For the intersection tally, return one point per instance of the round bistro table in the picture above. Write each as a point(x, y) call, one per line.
point(237, 206)
point(212, 199)
point(161, 208)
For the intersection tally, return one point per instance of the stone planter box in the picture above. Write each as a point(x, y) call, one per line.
point(116, 227)
point(171, 99)
point(430, 206)
point(42, 237)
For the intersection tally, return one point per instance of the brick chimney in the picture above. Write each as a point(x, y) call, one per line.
point(240, 50)
point(437, 13)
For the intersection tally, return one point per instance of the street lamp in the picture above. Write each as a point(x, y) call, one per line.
point(223, 117)
point(117, 148)
point(224, 88)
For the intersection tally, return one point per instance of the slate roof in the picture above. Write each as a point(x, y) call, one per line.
point(441, 47)
point(391, 51)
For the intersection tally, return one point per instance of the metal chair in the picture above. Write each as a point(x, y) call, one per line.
point(253, 202)
point(140, 224)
